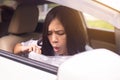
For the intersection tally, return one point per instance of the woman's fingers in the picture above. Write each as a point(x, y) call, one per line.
point(38, 50)
point(35, 49)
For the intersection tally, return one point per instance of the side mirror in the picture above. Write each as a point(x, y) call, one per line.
point(98, 64)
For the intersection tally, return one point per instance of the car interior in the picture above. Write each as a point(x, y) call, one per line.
point(5, 17)
point(25, 25)
point(21, 28)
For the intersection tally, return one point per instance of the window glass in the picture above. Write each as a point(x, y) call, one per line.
point(93, 22)
point(43, 9)
point(11, 3)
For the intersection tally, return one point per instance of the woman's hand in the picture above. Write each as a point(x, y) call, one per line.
point(34, 48)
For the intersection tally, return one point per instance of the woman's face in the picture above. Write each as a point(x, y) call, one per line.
point(57, 37)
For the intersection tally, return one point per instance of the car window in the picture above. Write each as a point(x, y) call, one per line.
point(96, 23)
point(43, 10)
point(46, 67)
point(25, 69)
point(91, 21)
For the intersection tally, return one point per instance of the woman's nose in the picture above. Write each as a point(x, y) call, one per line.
point(54, 38)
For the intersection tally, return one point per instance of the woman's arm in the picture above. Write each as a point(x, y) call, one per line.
point(19, 49)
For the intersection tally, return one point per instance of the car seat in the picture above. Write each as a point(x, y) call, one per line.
point(21, 28)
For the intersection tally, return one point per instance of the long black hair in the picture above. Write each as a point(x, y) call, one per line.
point(72, 24)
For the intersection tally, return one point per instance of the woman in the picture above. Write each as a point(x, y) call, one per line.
point(69, 37)
point(62, 33)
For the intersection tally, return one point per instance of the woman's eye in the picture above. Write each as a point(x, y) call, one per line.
point(56, 32)
point(49, 32)
point(60, 32)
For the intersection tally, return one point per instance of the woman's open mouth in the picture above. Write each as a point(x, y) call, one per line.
point(56, 49)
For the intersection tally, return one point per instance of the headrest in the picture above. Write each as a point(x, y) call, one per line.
point(24, 20)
